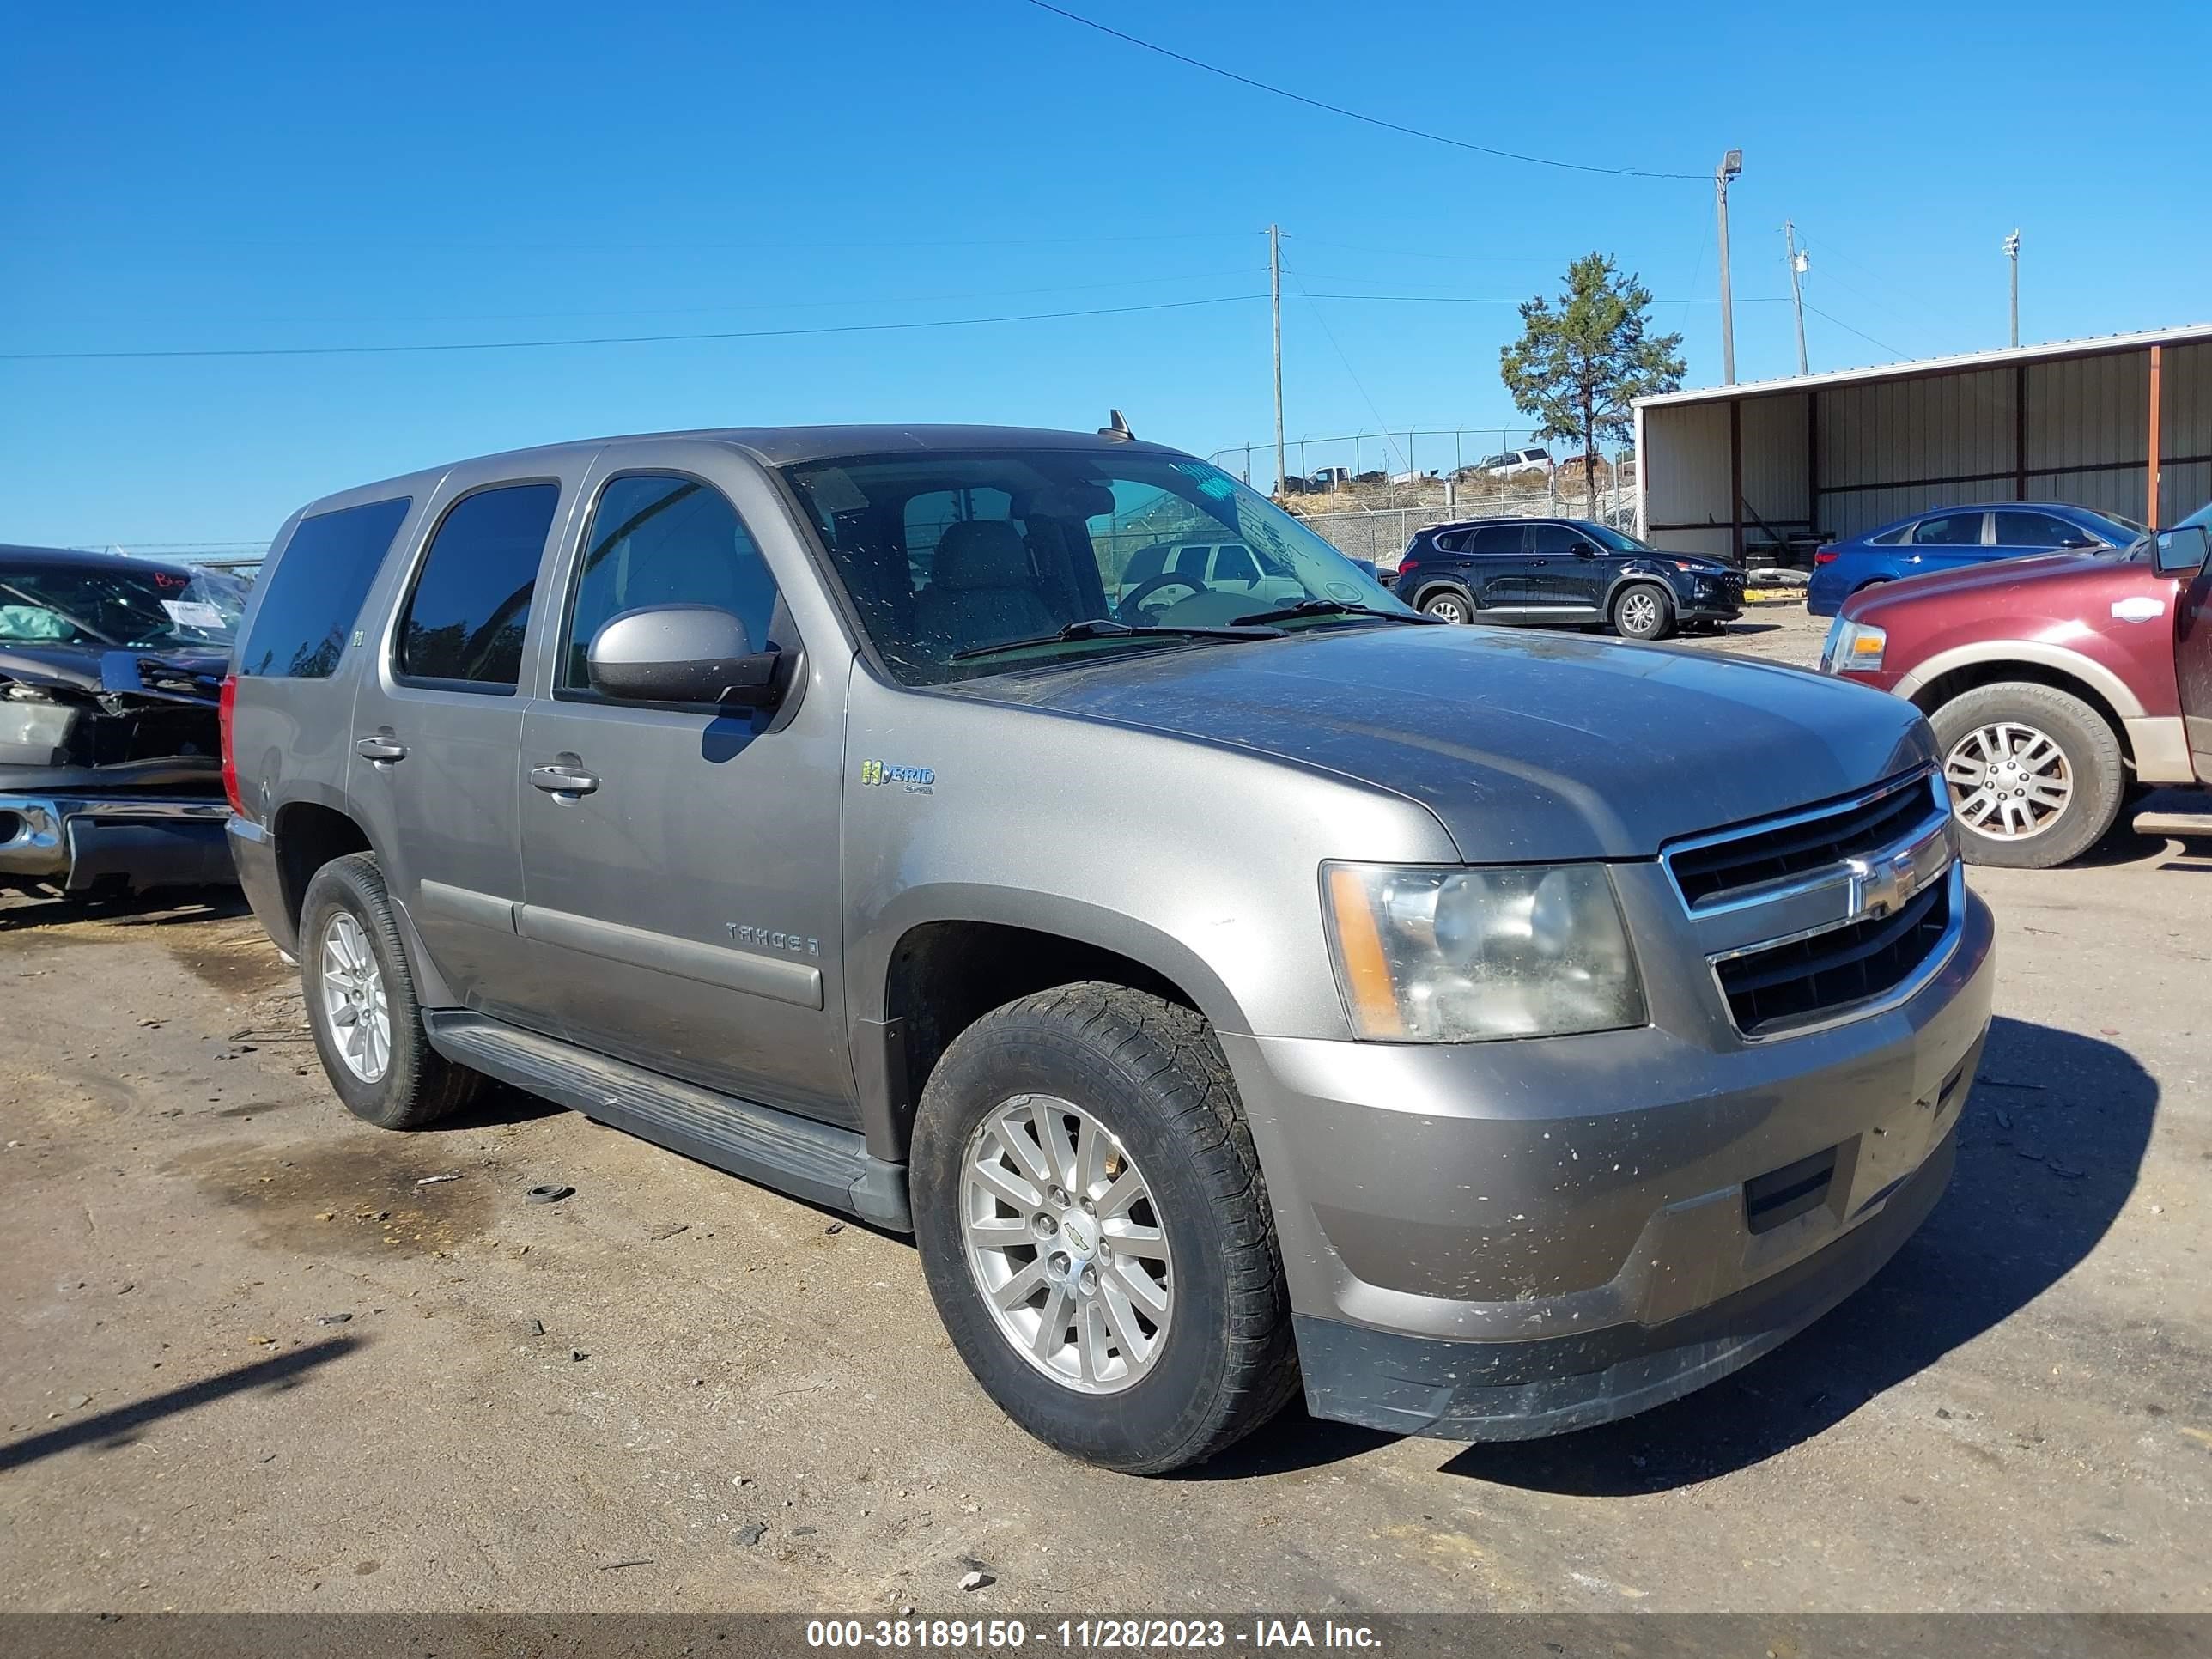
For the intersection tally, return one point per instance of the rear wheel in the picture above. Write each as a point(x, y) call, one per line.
point(1641, 611)
point(1447, 607)
point(2034, 774)
point(361, 1004)
point(1094, 1230)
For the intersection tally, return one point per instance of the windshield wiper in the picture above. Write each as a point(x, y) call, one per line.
point(1333, 608)
point(1105, 628)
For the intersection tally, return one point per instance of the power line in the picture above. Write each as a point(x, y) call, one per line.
point(620, 339)
point(1388, 442)
point(1353, 114)
point(776, 305)
point(1894, 351)
point(748, 334)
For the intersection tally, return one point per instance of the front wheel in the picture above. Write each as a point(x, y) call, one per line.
point(1094, 1230)
point(2034, 774)
point(1641, 611)
point(1446, 607)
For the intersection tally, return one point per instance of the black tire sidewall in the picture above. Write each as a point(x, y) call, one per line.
point(1138, 1429)
point(1465, 610)
point(353, 886)
point(2092, 756)
point(1659, 628)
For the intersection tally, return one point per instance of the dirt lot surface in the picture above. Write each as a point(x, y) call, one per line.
point(258, 1357)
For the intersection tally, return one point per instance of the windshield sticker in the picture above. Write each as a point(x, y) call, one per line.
point(1211, 480)
point(834, 491)
point(193, 613)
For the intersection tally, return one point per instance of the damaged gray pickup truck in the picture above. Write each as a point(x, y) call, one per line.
point(1236, 980)
point(110, 748)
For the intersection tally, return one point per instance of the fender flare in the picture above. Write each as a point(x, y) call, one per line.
point(875, 1039)
point(2092, 673)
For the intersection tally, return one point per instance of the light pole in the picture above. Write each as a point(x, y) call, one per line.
point(1731, 167)
point(2012, 253)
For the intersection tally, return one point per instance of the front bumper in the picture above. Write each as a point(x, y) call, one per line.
point(80, 841)
point(1498, 1241)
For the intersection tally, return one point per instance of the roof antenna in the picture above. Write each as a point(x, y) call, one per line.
point(1118, 431)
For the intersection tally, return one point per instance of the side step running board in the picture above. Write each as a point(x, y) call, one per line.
point(814, 1161)
point(2173, 823)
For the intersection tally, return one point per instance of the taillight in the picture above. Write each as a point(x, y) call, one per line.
point(225, 703)
point(1405, 565)
point(1824, 558)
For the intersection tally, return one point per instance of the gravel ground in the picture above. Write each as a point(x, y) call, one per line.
point(258, 1357)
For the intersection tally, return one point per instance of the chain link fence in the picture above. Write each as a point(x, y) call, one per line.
point(1380, 534)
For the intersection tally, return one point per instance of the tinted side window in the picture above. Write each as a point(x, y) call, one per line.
point(661, 540)
point(1552, 540)
point(312, 597)
point(463, 623)
point(1234, 564)
point(1951, 530)
point(2036, 530)
point(1495, 541)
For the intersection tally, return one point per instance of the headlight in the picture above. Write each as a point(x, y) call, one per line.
point(1852, 647)
point(1427, 955)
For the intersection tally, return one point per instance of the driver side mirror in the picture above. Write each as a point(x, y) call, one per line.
point(1585, 550)
point(2181, 551)
point(682, 653)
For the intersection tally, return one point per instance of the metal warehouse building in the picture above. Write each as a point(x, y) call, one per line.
point(2123, 424)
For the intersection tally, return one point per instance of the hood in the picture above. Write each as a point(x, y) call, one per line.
point(1527, 746)
point(1992, 577)
point(192, 676)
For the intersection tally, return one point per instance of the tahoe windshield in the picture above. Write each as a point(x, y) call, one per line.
point(116, 608)
point(944, 555)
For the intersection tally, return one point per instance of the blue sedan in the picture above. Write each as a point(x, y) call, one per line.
point(1947, 538)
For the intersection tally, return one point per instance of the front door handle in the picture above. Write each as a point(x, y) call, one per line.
point(381, 750)
point(562, 781)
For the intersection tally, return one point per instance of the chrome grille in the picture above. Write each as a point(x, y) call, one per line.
point(1728, 865)
point(1783, 986)
point(1828, 914)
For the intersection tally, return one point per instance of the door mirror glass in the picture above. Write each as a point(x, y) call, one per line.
point(1585, 550)
point(694, 653)
point(2181, 551)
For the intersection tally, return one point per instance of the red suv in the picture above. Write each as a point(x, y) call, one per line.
point(2055, 685)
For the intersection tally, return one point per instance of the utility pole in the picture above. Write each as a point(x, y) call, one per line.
point(1731, 166)
point(2012, 253)
point(1796, 292)
point(1275, 305)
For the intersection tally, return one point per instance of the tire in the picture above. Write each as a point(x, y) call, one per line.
point(1161, 1108)
point(2008, 726)
point(1452, 607)
point(346, 917)
point(1642, 612)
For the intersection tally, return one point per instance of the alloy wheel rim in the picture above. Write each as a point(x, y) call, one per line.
point(354, 1004)
point(1065, 1243)
point(1448, 609)
point(2009, 781)
point(1638, 612)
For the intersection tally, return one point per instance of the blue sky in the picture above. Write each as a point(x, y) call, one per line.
point(275, 176)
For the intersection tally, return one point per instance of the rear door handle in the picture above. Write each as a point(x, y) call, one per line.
point(379, 749)
point(562, 781)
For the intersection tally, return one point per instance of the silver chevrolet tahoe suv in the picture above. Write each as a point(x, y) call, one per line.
point(1495, 1034)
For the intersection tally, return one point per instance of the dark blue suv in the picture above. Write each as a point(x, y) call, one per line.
point(1950, 538)
point(1539, 571)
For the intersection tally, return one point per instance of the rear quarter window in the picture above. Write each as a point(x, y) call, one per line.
point(311, 598)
